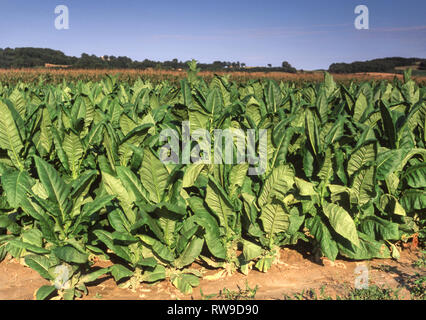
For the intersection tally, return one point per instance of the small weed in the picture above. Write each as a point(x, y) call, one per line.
point(206, 297)
point(309, 295)
point(295, 296)
point(383, 267)
point(421, 262)
point(372, 293)
point(418, 289)
point(242, 294)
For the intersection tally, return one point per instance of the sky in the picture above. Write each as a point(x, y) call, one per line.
point(309, 34)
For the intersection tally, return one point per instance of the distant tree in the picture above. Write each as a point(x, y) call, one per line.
point(90, 61)
point(32, 57)
point(287, 67)
point(285, 64)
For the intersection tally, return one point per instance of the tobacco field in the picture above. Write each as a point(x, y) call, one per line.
point(81, 176)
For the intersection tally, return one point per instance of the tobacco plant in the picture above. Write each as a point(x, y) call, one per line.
point(82, 176)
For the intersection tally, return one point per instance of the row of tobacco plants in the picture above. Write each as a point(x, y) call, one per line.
point(81, 177)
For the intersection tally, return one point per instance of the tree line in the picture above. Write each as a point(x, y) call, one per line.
point(38, 57)
point(376, 65)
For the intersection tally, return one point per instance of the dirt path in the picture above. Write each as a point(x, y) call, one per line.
point(296, 272)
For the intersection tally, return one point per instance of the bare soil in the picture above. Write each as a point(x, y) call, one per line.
point(296, 271)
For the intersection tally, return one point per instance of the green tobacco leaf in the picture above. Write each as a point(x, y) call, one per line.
point(115, 187)
point(148, 262)
point(56, 188)
point(132, 183)
point(185, 282)
point(74, 150)
point(391, 205)
point(363, 186)
point(69, 294)
point(388, 161)
point(16, 185)
point(5, 221)
point(121, 251)
point(167, 221)
point(123, 237)
point(219, 204)
point(70, 254)
point(80, 186)
point(312, 131)
point(33, 236)
point(274, 219)
point(158, 247)
point(326, 171)
point(361, 157)
point(340, 166)
point(320, 231)
point(158, 273)
point(119, 272)
point(389, 124)
point(296, 220)
point(336, 132)
point(413, 199)
point(251, 250)
point(264, 264)
point(308, 162)
point(341, 222)
point(150, 222)
point(59, 147)
point(236, 178)
point(44, 292)
point(94, 206)
point(119, 221)
point(360, 107)
point(18, 100)
point(305, 188)
point(39, 263)
point(10, 139)
point(92, 276)
point(191, 174)
point(154, 176)
point(28, 246)
point(379, 229)
point(198, 119)
point(213, 101)
point(395, 252)
point(329, 84)
point(368, 249)
point(273, 95)
point(277, 185)
point(416, 176)
point(283, 140)
point(190, 253)
point(322, 106)
point(35, 211)
point(211, 227)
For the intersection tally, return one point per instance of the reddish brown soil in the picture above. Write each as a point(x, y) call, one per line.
point(296, 272)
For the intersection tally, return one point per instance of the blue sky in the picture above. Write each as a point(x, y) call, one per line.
point(310, 34)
